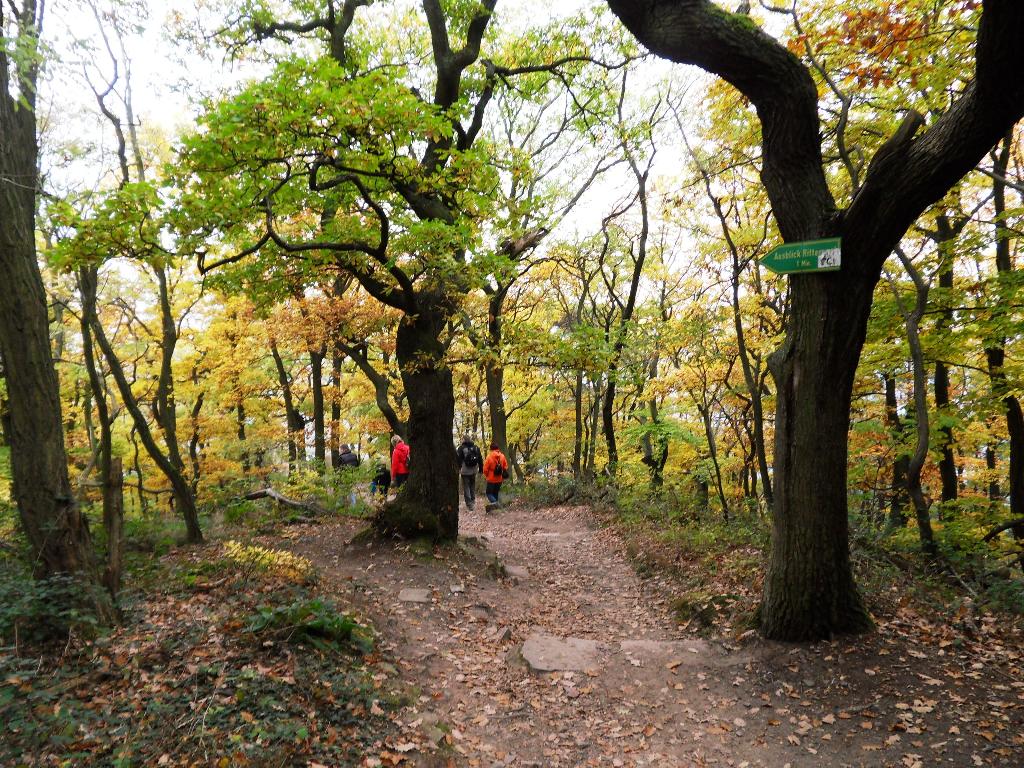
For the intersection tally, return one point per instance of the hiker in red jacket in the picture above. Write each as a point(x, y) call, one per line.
point(495, 473)
point(399, 462)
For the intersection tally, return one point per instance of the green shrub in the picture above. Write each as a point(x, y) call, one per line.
point(311, 621)
point(38, 611)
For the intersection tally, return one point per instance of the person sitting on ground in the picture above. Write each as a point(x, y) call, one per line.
point(495, 473)
point(470, 462)
point(348, 460)
point(399, 461)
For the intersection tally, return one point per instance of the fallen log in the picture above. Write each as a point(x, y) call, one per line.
point(270, 493)
point(1004, 527)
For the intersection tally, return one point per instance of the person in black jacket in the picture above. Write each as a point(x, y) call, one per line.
point(470, 462)
point(347, 459)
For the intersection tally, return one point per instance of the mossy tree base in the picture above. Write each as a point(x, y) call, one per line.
point(404, 518)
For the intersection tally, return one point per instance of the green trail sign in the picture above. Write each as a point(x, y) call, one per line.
point(809, 256)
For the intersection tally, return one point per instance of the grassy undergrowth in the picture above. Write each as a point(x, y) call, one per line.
point(228, 656)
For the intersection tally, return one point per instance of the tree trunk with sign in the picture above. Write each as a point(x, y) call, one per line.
point(809, 589)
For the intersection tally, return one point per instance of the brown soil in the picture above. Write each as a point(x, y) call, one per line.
point(910, 694)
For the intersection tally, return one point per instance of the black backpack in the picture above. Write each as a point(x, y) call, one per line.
point(470, 456)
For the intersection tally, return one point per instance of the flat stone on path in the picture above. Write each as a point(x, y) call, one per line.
point(517, 571)
point(547, 653)
point(413, 595)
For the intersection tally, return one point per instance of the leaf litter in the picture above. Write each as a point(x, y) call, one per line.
point(445, 684)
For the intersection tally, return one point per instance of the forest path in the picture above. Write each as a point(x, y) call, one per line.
point(638, 691)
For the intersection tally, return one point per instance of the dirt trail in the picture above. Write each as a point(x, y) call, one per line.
point(644, 693)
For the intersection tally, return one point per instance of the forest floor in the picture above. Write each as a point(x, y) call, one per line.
point(546, 637)
point(643, 688)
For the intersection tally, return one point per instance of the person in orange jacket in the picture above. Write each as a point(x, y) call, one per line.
point(399, 462)
point(495, 472)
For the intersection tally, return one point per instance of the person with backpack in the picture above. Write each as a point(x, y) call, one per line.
point(381, 482)
point(495, 473)
point(348, 460)
point(399, 461)
point(470, 462)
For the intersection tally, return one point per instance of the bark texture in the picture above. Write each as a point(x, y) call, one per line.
point(53, 524)
point(427, 506)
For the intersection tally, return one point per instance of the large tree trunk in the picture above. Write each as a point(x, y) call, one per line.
point(995, 347)
point(53, 524)
point(427, 506)
point(809, 589)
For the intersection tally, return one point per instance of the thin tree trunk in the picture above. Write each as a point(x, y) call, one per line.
point(359, 353)
point(316, 367)
point(165, 406)
point(182, 491)
point(626, 316)
point(946, 234)
point(754, 386)
point(137, 467)
point(336, 359)
point(917, 459)
point(193, 444)
point(590, 467)
point(240, 434)
point(990, 465)
point(577, 445)
point(750, 377)
point(113, 522)
point(655, 450)
point(898, 489)
point(294, 422)
point(111, 473)
point(709, 433)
